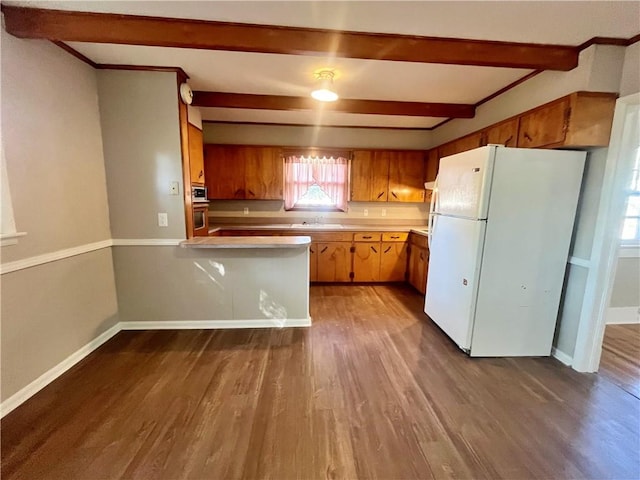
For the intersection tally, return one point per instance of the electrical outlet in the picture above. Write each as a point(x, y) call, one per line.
point(366, 212)
point(383, 212)
point(163, 220)
point(174, 188)
point(246, 210)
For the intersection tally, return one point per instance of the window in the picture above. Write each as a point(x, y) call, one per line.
point(316, 180)
point(631, 225)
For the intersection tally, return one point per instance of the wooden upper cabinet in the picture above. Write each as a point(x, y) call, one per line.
point(503, 133)
point(264, 173)
point(369, 176)
point(582, 119)
point(406, 176)
point(243, 172)
point(224, 172)
point(431, 170)
point(544, 126)
point(468, 142)
point(196, 155)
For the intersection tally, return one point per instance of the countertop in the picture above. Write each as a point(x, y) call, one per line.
point(325, 227)
point(248, 242)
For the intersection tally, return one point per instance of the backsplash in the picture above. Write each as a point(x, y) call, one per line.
point(357, 212)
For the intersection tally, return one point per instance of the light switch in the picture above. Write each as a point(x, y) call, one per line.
point(163, 220)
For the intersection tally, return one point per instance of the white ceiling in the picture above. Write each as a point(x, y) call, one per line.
point(550, 22)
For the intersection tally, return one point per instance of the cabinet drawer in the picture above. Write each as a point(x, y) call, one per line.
point(327, 236)
point(367, 237)
point(395, 236)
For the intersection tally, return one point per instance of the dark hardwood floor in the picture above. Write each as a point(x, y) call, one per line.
point(372, 390)
point(620, 360)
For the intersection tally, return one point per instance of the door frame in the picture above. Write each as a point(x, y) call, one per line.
point(604, 252)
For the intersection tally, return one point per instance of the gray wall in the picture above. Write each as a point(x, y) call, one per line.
point(52, 140)
point(142, 154)
point(312, 136)
point(626, 285)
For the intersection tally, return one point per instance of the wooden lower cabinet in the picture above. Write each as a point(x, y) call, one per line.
point(313, 262)
point(418, 264)
point(393, 261)
point(334, 262)
point(366, 262)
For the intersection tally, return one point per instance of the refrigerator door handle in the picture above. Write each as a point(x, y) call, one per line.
point(432, 207)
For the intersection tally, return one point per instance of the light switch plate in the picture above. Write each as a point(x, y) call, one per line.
point(383, 213)
point(246, 211)
point(174, 188)
point(163, 220)
point(366, 212)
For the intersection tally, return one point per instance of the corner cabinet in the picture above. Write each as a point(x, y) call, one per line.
point(406, 176)
point(242, 172)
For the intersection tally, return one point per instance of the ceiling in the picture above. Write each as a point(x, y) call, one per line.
point(398, 91)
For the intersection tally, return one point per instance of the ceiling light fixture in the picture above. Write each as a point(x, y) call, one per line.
point(324, 92)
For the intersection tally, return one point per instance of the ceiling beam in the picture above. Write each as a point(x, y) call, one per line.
point(70, 26)
point(370, 107)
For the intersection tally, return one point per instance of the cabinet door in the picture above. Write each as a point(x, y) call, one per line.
point(224, 172)
point(264, 173)
point(463, 144)
point(196, 155)
point(503, 133)
point(334, 262)
point(406, 176)
point(366, 262)
point(393, 261)
point(545, 126)
point(369, 176)
point(313, 262)
point(418, 264)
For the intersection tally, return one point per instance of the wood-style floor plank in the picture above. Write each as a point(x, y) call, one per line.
point(620, 360)
point(373, 390)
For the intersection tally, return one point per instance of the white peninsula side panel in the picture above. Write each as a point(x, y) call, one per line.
point(176, 287)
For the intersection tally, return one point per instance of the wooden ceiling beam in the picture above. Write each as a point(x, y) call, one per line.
point(71, 26)
point(370, 107)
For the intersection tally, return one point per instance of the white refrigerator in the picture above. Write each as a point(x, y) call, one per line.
point(501, 222)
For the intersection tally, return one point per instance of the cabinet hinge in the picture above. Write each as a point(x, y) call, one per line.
point(352, 250)
point(351, 275)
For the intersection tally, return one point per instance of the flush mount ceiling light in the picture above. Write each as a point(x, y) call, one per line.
point(323, 91)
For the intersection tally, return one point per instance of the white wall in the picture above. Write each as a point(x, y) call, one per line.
point(55, 170)
point(630, 81)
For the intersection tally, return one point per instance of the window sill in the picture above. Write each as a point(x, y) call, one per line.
point(629, 251)
point(10, 238)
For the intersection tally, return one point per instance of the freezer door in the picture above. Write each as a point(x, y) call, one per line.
point(464, 181)
point(454, 267)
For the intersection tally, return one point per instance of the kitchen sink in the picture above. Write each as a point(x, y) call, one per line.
point(316, 226)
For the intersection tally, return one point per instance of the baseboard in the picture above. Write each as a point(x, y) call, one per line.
point(49, 376)
point(216, 324)
point(622, 315)
point(561, 356)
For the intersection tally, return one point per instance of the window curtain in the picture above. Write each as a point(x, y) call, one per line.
point(329, 173)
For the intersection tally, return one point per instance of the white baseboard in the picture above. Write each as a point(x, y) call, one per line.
point(622, 315)
point(49, 376)
point(216, 324)
point(560, 355)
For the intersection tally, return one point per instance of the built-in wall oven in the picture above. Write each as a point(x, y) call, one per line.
point(200, 219)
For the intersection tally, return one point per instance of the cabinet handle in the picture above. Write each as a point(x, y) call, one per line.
point(388, 248)
point(395, 236)
point(421, 256)
point(251, 193)
point(394, 195)
point(366, 237)
point(312, 250)
point(324, 250)
point(506, 142)
point(200, 174)
point(374, 250)
point(526, 135)
point(379, 195)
